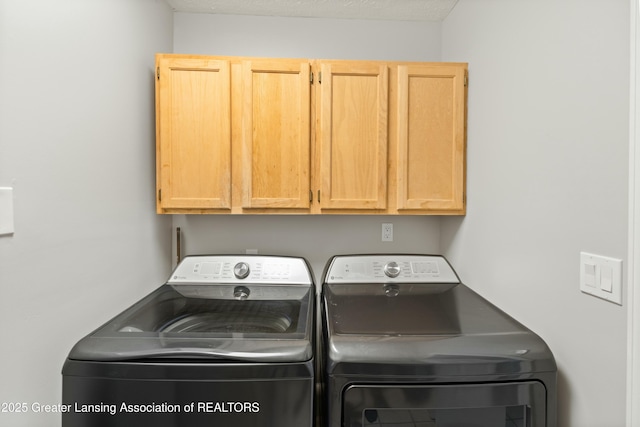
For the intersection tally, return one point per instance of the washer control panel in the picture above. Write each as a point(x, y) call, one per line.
point(390, 268)
point(241, 269)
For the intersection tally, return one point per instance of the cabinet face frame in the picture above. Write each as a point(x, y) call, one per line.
point(276, 134)
point(431, 138)
point(193, 145)
point(353, 137)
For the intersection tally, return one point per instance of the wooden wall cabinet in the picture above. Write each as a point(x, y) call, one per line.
point(276, 134)
point(431, 129)
point(193, 137)
point(352, 136)
point(257, 135)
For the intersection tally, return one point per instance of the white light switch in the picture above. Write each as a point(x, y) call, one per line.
point(6, 210)
point(589, 274)
point(601, 276)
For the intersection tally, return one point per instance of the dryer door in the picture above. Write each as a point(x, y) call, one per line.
point(520, 404)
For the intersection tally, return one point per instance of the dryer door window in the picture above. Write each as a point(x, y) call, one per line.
point(497, 416)
point(470, 405)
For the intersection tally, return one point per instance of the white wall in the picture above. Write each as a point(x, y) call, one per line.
point(547, 178)
point(306, 37)
point(77, 144)
point(314, 237)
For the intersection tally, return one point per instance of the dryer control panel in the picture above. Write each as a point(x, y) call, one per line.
point(390, 269)
point(247, 269)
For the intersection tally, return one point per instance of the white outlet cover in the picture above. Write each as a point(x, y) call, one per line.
point(387, 232)
point(6, 211)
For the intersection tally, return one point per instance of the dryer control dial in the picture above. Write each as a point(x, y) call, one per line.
point(241, 270)
point(392, 269)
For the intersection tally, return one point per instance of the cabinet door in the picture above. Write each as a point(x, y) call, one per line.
point(194, 133)
point(431, 138)
point(276, 134)
point(353, 135)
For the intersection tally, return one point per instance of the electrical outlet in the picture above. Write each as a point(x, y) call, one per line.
point(387, 232)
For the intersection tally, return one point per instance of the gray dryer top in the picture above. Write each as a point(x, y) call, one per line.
point(399, 314)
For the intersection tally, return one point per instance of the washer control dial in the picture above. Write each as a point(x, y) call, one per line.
point(241, 270)
point(392, 269)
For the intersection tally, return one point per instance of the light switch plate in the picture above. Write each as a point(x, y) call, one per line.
point(6, 211)
point(601, 276)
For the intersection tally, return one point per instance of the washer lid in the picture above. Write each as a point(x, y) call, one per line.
point(196, 321)
point(254, 308)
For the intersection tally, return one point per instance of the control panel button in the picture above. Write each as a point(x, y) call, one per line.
point(392, 269)
point(241, 270)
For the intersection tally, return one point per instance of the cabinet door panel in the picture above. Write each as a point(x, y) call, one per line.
point(431, 136)
point(276, 134)
point(353, 126)
point(195, 134)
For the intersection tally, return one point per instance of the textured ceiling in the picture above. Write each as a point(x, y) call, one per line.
point(402, 10)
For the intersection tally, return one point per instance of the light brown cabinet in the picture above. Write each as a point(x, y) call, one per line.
point(431, 138)
point(352, 135)
point(193, 137)
point(276, 134)
point(256, 135)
